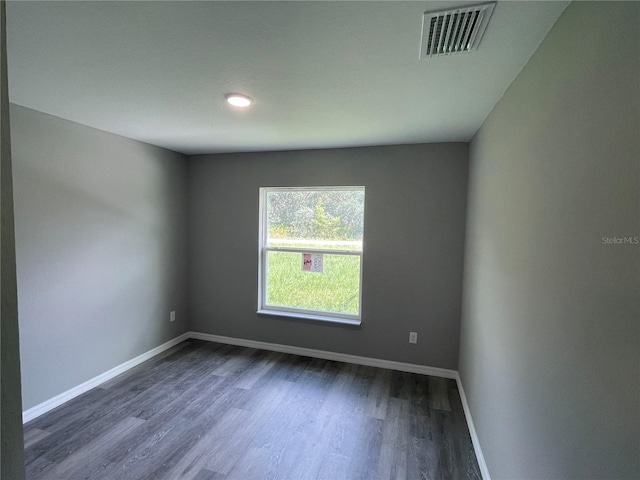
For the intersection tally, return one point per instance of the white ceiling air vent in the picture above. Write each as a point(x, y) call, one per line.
point(454, 31)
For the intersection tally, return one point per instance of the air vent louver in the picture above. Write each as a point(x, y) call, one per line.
point(454, 31)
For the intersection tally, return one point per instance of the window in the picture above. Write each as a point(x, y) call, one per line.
point(310, 252)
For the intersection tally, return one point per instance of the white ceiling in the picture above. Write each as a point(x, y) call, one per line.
point(322, 74)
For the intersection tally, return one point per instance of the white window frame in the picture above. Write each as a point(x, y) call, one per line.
point(263, 249)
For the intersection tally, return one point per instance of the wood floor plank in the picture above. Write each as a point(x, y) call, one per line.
point(63, 443)
point(135, 455)
point(422, 460)
point(86, 461)
point(442, 443)
point(209, 475)
point(317, 446)
point(334, 467)
point(160, 455)
point(392, 463)
point(208, 446)
point(378, 396)
point(208, 411)
point(34, 435)
point(257, 462)
point(346, 429)
point(295, 419)
point(38, 467)
point(439, 393)
point(61, 416)
point(293, 367)
point(237, 361)
point(366, 454)
point(263, 365)
point(454, 397)
point(239, 441)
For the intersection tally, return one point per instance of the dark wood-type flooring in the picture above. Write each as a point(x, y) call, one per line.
point(205, 411)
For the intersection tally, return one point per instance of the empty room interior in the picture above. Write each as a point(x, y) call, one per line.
point(320, 240)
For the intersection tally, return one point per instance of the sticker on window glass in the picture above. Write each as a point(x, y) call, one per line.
point(312, 262)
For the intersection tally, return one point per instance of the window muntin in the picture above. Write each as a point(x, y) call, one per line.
point(316, 221)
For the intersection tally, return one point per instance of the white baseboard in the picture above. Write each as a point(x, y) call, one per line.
point(484, 470)
point(325, 355)
point(58, 400)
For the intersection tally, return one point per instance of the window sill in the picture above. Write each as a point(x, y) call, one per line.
point(308, 316)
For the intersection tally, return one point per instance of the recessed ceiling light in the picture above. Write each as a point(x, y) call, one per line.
point(238, 100)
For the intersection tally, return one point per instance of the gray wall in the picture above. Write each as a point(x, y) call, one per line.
point(550, 337)
point(413, 254)
point(11, 436)
point(101, 250)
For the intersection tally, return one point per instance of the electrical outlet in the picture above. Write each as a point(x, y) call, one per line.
point(172, 316)
point(413, 337)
